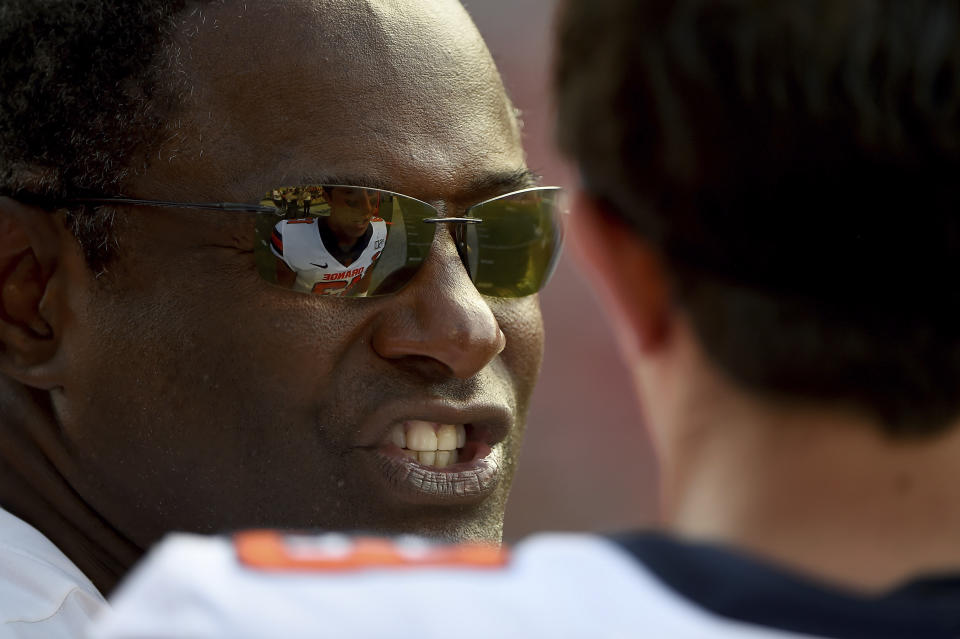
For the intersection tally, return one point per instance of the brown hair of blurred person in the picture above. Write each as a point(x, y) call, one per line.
point(769, 201)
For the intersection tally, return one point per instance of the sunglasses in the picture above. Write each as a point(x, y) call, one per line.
point(352, 241)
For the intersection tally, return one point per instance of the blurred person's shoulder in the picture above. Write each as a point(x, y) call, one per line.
point(42, 593)
point(735, 585)
point(558, 585)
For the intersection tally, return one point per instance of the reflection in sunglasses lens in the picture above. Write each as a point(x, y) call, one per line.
point(353, 241)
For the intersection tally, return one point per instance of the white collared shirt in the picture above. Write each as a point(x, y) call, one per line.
point(42, 593)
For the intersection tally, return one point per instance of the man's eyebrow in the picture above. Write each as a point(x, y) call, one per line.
point(490, 184)
point(344, 180)
point(498, 183)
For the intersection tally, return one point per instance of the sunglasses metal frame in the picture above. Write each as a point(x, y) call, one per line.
point(270, 210)
point(279, 212)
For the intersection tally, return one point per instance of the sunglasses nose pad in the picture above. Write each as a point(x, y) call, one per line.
point(466, 240)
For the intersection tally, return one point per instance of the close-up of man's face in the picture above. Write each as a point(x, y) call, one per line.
point(194, 395)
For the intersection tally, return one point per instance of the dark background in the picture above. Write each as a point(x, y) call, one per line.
point(586, 463)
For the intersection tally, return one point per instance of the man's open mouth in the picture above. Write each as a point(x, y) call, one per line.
point(433, 462)
point(432, 444)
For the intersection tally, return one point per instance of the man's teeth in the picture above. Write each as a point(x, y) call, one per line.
point(447, 437)
point(421, 436)
point(428, 443)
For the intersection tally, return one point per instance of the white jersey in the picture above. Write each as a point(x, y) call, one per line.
point(43, 595)
point(299, 244)
point(555, 585)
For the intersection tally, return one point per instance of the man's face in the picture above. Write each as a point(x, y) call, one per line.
point(199, 397)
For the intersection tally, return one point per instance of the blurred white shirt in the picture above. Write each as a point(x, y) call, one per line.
point(42, 593)
point(556, 585)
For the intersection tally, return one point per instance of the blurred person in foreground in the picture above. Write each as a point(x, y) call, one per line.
point(154, 373)
point(770, 208)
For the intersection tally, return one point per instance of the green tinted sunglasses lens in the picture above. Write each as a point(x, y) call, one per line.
point(353, 241)
point(514, 250)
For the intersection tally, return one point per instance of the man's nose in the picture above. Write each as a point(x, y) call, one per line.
point(439, 319)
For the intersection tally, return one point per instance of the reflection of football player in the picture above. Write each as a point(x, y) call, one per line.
point(307, 200)
point(328, 255)
point(290, 201)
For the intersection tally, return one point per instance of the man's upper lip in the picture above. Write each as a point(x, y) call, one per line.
point(496, 420)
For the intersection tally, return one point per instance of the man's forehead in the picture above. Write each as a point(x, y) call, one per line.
point(361, 52)
point(332, 37)
point(396, 91)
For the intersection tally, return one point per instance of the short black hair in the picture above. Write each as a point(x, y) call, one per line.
point(83, 95)
point(796, 166)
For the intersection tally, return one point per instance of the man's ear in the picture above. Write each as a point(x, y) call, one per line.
point(29, 254)
point(627, 271)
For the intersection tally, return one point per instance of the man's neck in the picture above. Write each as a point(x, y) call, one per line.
point(822, 492)
point(34, 488)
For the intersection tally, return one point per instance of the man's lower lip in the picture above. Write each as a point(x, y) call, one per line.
point(463, 483)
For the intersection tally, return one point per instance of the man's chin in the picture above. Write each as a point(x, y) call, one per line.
point(440, 515)
point(483, 526)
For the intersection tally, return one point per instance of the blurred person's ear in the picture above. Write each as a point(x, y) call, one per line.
point(627, 272)
point(30, 245)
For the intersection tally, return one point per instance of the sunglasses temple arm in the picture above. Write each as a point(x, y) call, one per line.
point(213, 206)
